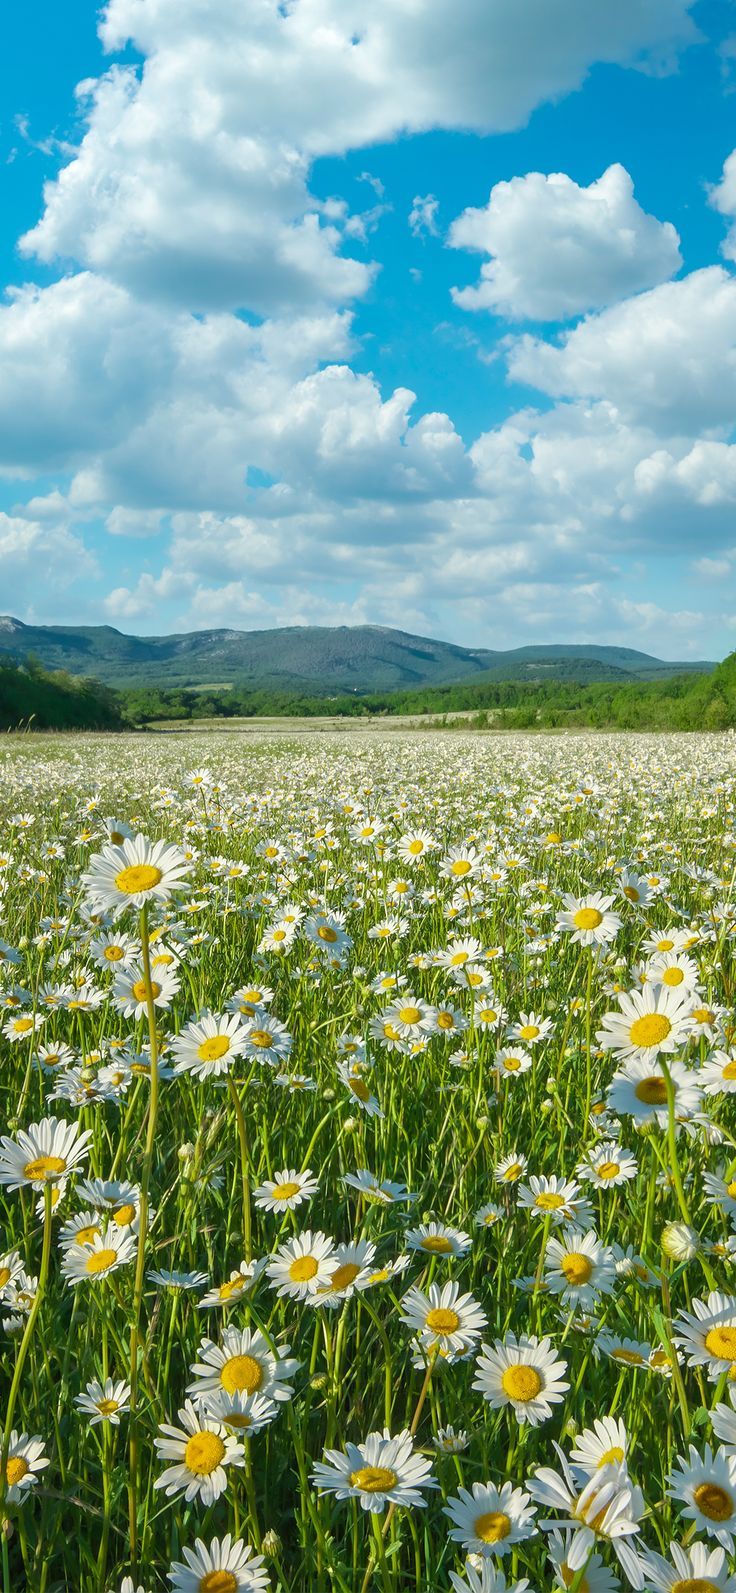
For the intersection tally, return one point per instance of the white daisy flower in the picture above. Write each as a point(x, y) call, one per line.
point(98, 1257)
point(382, 1470)
point(104, 1402)
point(579, 1267)
point(44, 1153)
point(589, 920)
point(208, 1046)
point(523, 1373)
point(227, 1566)
point(443, 1318)
point(240, 1281)
point(437, 1239)
point(706, 1486)
point(303, 1265)
point(134, 873)
point(25, 1460)
point(603, 1444)
point(243, 1363)
point(697, 1568)
point(201, 1450)
point(286, 1191)
point(650, 1021)
point(490, 1520)
point(707, 1334)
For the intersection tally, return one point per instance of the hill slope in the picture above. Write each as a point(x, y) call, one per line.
point(312, 658)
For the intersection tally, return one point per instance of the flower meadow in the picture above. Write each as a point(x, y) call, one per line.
point(368, 1165)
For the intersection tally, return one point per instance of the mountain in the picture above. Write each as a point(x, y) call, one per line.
point(319, 659)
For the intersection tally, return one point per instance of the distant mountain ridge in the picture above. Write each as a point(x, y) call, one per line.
point(320, 659)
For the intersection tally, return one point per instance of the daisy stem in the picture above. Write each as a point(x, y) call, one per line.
point(675, 1164)
point(244, 1164)
point(25, 1343)
point(142, 1229)
point(588, 1063)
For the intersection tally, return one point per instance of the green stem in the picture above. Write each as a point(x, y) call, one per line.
point(141, 1253)
point(244, 1165)
point(25, 1344)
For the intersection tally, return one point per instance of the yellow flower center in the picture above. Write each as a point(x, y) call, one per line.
point(665, 944)
point(227, 1291)
point(587, 918)
point(511, 1064)
point(529, 1031)
point(458, 958)
point(113, 953)
point(260, 1037)
point(326, 932)
point(442, 1321)
point(612, 1456)
point(445, 1020)
point(203, 1453)
point(343, 1276)
point(124, 1215)
point(373, 1479)
point(22, 1025)
point(415, 847)
point(729, 1072)
point(302, 1269)
point(101, 1260)
point(492, 1527)
point(576, 1267)
point(721, 1343)
point(652, 1091)
point(460, 866)
point(107, 1407)
point(608, 1170)
point(630, 1357)
point(702, 1015)
point(285, 1191)
point(651, 1029)
point(695, 1584)
point(672, 976)
point(359, 1089)
point(212, 1049)
point(44, 1167)
point(86, 1236)
point(437, 1243)
point(140, 990)
point(631, 893)
point(139, 877)
point(217, 1582)
point(512, 1172)
point(713, 1501)
point(4, 1276)
point(409, 1014)
point(548, 1201)
point(16, 1469)
point(241, 1374)
point(521, 1382)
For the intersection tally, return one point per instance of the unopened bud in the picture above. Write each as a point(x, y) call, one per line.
point(679, 1241)
point(350, 1125)
point(271, 1545)
point(186, 1151)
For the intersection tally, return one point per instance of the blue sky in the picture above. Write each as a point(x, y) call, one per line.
point(249, 241)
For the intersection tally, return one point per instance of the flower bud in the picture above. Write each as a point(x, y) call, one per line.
point(679, 1241)
point(271, 1545)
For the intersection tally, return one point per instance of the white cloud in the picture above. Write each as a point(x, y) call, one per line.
point(38, 560)
point(557, 249)
point(666, 358)
point(723, 198)
point(191, 180)
point(423, 216)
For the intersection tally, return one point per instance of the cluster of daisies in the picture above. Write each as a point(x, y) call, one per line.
point(511, 979)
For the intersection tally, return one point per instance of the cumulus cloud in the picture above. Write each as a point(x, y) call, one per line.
point(557, 249)
point(666, 357)
point(423, 216)
point(38, 560)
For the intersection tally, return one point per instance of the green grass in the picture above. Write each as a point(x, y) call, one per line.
point(658, 804)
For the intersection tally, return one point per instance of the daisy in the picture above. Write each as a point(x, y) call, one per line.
point(385, 1273)
point(707, 1334)
point(414, 845)
point(639, 1090)
point(178, 1282)
point(238, 1284)
point(597, 1578)
point(243, 1363)
point(650, 1021)
point(717, 1076)
point(459, 863)
point(511, 1168)
point(201, 1449)
point(603, 1444)
point(447, 1442)
point(410, 1016)
point(134, 873)
point(706, 1486)
point(11, 1267)
point(674, 970)
point(266, 1040)
point(531, 1028)
point(44, 1153)
point(286, 1191)
point(490, 1520)
point(23, 1026)
point(625, 1351)
point(240, 1412)
point(350, 1268)
point(579, 1267)
point(589, 920)
point(25, 1460)
point(443, 1318)
point(103, 1254)
point(512, 1060)
point(698, 1567)
point(303, 1265)
point(554, 1198)
point(608, 1507)
point(608, 1165)
point(522, 1373)
point(358, 1088)
point(130, 991)
point(487, 1216)
point(482, 1577)
point(381, 1192)
point(104, 1402)
point(208, 1047)
point(225, 1567)
point(436, 1239)
point(382, 1470)
point(109, 951)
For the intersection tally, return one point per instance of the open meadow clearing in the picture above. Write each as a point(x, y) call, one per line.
point(368, 1179)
